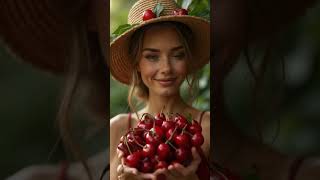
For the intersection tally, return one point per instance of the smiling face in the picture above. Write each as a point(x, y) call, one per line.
point(163, 61)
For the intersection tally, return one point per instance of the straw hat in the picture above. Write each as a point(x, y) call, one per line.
point(120, 62)
point(39, 32)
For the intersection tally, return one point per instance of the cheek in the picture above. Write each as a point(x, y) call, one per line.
point(146, 70)
point(181, 68)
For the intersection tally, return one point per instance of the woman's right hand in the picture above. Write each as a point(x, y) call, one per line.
point(128, 173)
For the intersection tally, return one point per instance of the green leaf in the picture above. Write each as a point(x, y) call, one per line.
point(185, 4)
point(120, 30)
point(200, 8)
point(189, 118)
point(158, 9)
point(179, 2)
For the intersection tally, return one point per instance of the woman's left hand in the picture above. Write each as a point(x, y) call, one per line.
point(178, 171)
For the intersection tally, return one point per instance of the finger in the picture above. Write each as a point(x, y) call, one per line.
point(173, 171)
point(120, 169)
point(148, 176)
point(196, 157)
point(129, 170)
point(160, 171)
point(119, 153)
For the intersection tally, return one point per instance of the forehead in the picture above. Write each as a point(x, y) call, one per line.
point(161, 35)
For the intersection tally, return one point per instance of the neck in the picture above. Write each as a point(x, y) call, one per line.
point(169, 104)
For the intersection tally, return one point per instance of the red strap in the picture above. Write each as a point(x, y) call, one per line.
point(295, 166)
point(129, 120)
point(200, 120)
point(63, 175)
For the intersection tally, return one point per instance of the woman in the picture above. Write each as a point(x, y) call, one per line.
point(154, 58)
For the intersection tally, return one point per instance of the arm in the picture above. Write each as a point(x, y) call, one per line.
point(75, 171)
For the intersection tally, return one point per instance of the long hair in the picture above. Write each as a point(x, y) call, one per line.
point(85, 79)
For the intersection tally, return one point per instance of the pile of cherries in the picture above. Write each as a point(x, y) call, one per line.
point(159, 141)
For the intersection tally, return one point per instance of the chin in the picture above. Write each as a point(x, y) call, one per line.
point(168, 92)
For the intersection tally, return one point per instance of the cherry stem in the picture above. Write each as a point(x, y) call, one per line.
point(171, 135)
point(172, 145)
point(135, 140)
point(126, 142)
point(145, 114)
point(188, 133)
point(184, 127)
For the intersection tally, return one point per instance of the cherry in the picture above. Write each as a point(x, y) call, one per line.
point(159, 118)
point(122, 147)
point(161, 164)
point(180, 12)
point(148, 151)
point(169, 133)
point(182, 140)
point(146, 166)
point(144, 125)
point(182, 154)
point(195, 127)
point(197, 139)
point(158, 131)
point(154, 140)
point(148, 14)
point(132, 160)
point(163, 151)
point(181, 121)
point(166, 125)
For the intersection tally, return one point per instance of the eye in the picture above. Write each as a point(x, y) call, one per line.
point(151, 57)
point(179, 55)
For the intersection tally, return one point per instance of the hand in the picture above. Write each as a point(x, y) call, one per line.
point(178, 171)
point(125, 172)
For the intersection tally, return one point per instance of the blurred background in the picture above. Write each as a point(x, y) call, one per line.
point(29, 98)
point(287, 102)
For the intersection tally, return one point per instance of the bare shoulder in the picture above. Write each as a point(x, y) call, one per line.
point(118, 121)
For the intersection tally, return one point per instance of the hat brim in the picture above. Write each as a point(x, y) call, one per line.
point(120, 62)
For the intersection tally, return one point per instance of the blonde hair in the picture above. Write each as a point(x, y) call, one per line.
point(138, 91)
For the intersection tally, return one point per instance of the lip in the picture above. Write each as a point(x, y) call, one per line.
point(166, 82)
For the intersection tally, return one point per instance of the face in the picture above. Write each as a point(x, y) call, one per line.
point(163, 62)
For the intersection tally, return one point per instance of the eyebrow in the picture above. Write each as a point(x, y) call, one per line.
point(157, 50)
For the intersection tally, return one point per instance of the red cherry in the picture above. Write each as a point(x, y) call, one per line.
point(158, 131)
point(195, 127)
point(146, 166)
point(166, 125)
point(169, 133)
point(197, 139)
point(180, 12)
point(159, 118)
point(122, 147)
point(154, 140)
point(145, 125)
point(132, 160)
point(163, 151)
point(148, 14)
point(182, 140)
point(161, 164)
point(180, 121)
point(182, 155)
point(148, 150)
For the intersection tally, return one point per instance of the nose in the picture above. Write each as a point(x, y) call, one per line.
point(166, 65)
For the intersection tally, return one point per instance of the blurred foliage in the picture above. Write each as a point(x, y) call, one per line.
point(118, 13)
point(288, 100)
